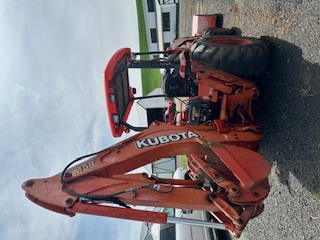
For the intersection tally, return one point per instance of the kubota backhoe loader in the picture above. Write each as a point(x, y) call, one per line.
point(220, 137)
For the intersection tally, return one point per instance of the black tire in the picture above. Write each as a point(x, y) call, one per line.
point(210, 32)
point(242, 56)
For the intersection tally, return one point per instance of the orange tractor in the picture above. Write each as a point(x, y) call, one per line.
point(218, 133)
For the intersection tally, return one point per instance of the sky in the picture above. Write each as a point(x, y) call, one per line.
point(52, 105)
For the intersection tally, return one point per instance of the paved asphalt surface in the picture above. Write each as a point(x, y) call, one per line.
point(288, 108)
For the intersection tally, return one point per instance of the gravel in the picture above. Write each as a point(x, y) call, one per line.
point(288, 108)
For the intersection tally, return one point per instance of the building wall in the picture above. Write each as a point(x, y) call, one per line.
point(169, 36)
point(151, 23)
point(159, 27)
point(156, 102)
point(164, 167)
point(142, 116)
point(145, 105)
point(153, 20)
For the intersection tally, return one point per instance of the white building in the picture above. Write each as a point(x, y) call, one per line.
point(161, 18)
point(151, 109)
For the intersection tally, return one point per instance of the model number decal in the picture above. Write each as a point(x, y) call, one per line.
point(175, 137)
point(83, 168)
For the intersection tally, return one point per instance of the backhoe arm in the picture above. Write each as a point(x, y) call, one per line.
point(233, 181)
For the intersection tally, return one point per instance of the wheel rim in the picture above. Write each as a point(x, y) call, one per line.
point(231, 41)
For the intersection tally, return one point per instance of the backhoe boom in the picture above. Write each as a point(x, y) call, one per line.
point(240, 174)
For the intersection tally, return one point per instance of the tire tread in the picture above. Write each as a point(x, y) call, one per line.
point(242, 60)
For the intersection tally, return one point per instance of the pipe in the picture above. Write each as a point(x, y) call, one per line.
point(194, 222)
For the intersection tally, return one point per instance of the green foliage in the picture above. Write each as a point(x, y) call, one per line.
point(183, 161)
point(150, 80)
point(142, 29)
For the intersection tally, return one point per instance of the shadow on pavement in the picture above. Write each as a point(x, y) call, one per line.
point(289, 113)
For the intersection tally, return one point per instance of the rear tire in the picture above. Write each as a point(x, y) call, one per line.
point(242, 56)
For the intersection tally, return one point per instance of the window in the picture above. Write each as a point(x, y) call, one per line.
point(166, 21)
point(153, 33)
point(166, 45)
point(150, 5)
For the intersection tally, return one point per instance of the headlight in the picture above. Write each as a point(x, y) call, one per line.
point(112, 98)
point(115, 118)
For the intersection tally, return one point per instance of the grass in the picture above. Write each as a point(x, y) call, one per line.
point(150, 78)
point(183, 161)
point(316, 195)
